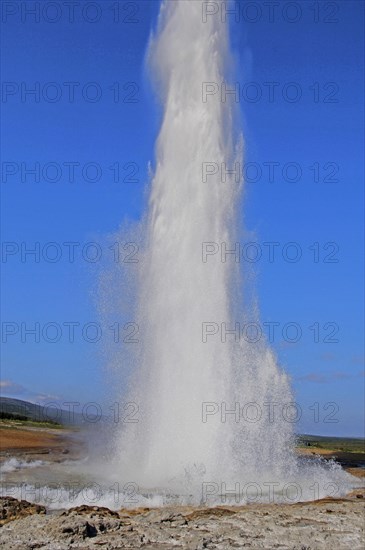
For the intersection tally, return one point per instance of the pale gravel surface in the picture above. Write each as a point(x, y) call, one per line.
point(336, 524)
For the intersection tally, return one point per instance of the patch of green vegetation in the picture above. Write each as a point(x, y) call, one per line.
point(344, 444)
point(9, 420)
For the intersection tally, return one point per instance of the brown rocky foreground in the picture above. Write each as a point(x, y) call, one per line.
point(327, 523)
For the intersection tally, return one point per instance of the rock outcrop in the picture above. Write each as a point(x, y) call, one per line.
point(322, 525)
point(12, 509)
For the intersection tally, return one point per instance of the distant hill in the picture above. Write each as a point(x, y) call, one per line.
point(24, 410)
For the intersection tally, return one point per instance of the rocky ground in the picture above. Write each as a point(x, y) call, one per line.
point(328, 523)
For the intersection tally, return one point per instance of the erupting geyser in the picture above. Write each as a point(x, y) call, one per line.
point(186, 384)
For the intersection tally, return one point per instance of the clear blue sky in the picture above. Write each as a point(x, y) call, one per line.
point(325, 61)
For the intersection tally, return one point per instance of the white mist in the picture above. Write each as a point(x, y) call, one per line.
point(174, 450)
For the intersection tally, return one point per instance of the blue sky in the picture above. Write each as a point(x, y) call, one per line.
point(321, 133)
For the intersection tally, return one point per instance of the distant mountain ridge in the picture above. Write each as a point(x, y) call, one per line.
point(39, 413)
